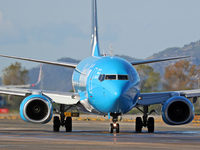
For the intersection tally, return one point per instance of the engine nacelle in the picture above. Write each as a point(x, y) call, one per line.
point(36, 109)
point(177, 110)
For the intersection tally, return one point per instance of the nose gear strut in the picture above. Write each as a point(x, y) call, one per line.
point(114, 125)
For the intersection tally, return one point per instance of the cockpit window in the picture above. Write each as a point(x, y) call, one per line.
point(103, 77)
point(122, 77)
point(110, 77)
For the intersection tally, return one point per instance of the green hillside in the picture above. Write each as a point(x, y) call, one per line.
point(192, 50)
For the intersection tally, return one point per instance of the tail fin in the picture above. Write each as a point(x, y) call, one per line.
point(95, 42)
point(40, 75)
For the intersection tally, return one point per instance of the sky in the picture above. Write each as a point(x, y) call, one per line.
point(50, 29)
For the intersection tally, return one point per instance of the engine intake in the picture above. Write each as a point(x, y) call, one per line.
point(177, 110)
point(36, 109)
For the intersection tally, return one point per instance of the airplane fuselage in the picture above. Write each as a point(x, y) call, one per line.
point(107, 84)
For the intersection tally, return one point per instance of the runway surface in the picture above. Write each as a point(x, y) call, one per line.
point(17, 134)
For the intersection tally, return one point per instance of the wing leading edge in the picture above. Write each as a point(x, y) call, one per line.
point(63, 64)
point(157, 60)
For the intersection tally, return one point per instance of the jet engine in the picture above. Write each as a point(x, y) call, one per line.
point(36, 109)
point(177, 110)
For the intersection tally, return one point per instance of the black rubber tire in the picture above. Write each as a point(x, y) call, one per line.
point(150, 125)
point(117, 128)
point(68, 124)
point(111, 128)
point(138, 125)
point(56, 124)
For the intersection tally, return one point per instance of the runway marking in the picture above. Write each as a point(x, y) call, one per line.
point(196, 124)
point(10, 117)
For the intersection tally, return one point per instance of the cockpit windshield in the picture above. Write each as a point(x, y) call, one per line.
point(110, 77)
point(122, 77)
point(103, 77)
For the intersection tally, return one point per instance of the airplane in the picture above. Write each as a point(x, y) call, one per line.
point(104, 85)
point(29, 85)
point(3, 104)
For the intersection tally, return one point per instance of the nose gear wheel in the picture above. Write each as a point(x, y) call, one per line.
point(114, 125)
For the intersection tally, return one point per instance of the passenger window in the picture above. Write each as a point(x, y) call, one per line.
point(110, 77)
point(122, 77)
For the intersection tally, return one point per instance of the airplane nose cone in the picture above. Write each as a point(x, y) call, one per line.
point(115, 94)
point(108, 98)
point(114, 98)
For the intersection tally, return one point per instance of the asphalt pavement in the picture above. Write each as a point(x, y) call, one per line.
point(17, 134)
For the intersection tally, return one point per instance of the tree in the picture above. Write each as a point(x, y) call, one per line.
point(15, 74)
point(181, 76)
point(149, 79)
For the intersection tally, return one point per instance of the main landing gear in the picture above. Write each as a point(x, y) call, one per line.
point(146, 122)
point(62, 121)
point(114, 125)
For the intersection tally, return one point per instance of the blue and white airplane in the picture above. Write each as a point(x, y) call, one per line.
point(104, 85)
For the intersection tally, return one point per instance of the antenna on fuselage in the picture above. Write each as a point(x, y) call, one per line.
point(94, 41)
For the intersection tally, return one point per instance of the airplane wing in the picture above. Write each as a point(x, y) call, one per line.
point(64, 64)
point(156, 60)
point(67, 98)
point(162, 97)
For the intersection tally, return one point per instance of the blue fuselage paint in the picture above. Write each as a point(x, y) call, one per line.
point(108, 96)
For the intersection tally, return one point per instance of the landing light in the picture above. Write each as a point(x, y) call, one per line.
point(73, 97)
point(139, 97)
point(114, 124)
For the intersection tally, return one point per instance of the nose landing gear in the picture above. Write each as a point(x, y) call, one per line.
point(114, 125)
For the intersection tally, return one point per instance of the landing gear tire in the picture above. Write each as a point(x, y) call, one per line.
point(114, 126)
point(150, 125)
point(68, 124)
point(111, 128)
point(56, 124)
point(138, 125)
point(117, 128)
